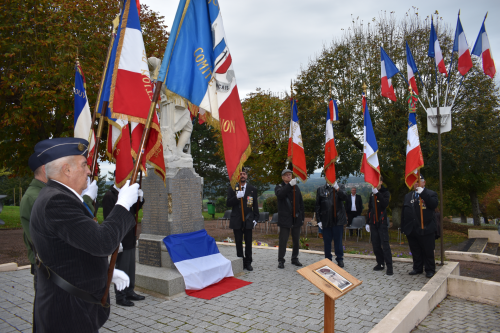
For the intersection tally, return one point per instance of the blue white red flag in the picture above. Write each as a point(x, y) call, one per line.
point(387, 71)
point(334, 111)
point(412, 69)
point(296, 154)
point(83, 119)
point(460, 45)
point(414, 158)
point(331, 154)
point(198, 259)
point(369, 165)
point(482, 49)
point(198, 67)
point(435, 51)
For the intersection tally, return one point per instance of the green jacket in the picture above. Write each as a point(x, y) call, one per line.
point(25, 207)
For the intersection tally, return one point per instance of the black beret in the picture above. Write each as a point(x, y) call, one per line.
point(34, 162)
point(52, 149)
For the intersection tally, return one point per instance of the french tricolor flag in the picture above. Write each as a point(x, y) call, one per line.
point(435, 51)
point(387, 70)
point(334, 111)
point(296, 153)
point(369, 165)
point(83, 119)
point(460, 45)
point(331, 154)
point(414, 158)
point(198, 259)
point(412, 69)
point(482, 49)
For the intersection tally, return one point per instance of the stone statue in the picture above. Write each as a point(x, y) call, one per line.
point(175, 118)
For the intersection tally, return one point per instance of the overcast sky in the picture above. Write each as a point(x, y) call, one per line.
point(270, 40)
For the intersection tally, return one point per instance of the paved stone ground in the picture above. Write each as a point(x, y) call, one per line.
point(278, 300)
point(455, 315)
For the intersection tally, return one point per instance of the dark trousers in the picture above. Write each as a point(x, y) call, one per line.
point(380, 241)
point(33, 271)
point(350, 216)
point(284, 234)
point(333, 233)
point(422, 250)
point(238, 239)
point(126, 262)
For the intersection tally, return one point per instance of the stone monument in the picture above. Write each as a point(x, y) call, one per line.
point(171, 208)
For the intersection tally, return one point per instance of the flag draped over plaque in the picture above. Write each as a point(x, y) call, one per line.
point(83, 119)
point(198, 66)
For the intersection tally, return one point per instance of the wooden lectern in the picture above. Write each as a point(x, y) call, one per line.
point(334, 282)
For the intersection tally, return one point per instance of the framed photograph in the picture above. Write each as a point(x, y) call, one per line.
point(334, 278)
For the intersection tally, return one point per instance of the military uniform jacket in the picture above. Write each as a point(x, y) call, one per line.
point(410, 216)
point(73, 245)
point(325, 208)
point(284, 193)
point(383, 197)
point(25, 207)
point(250, 204)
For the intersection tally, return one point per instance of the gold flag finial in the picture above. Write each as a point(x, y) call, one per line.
point(364, 87)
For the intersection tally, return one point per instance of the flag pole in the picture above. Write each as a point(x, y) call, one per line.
point(291, 124)
point(137, 206)
point(374, 195)
point(334, 191)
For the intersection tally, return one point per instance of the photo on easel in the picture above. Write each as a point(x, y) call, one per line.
point(334, 278)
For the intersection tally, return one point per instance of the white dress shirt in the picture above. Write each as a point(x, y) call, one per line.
point(76, 193)
point(353, 202)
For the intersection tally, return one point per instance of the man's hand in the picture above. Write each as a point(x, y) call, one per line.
point(240, 194)
point(91, 189)
point(254, 224)
point(336, 186)
point(367, 227)
point(141, 195)
point(374, 190)
point(293, 182)
point(128, 195)
point(419, 190)
point(120, 279)
point(320, 225)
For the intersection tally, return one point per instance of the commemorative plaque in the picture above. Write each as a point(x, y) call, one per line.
point(149, 253)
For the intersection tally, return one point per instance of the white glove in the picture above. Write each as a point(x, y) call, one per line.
point(128, 195)
point(419, 190)
point(367, 227)
point(254, 224)
point(91, 189)
point(320, 225)
point(141, 195)
point(336, 186)
point(293, 182)
point(120, 248)
point(374, 191)
point(120, 279)
point(240, 194)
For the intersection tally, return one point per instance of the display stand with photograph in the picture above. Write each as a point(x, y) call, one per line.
point(334, 282)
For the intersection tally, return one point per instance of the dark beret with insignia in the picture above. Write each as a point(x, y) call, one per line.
point(34, 162)
point(52, 149)
point(422, 177)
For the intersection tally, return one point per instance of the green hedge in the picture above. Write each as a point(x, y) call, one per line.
point(271, 205)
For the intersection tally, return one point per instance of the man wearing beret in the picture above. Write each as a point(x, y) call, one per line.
point(244, 194)
point(287, 222)
point(71, 249)
point(421, 240)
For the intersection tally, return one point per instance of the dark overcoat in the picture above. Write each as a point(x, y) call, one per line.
point(284, 193)
point(251, 210)
point(410, 216)
point(325, 208)
point(383, 198)
point(73, 245)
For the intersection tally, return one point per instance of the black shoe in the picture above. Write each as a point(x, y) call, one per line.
point(125, 302)
point(340, 263)
point(378, 267)
point(415, 272)
point(389, 270)
point(429, 274)
point(248, 267)
point(281, 265)
point(135, 297)
point(296, 263)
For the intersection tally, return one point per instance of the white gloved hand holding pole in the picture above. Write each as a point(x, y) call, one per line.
point(367, 227)
point(91, 189)
point(120, 248)
point(120, 279)
point(293, 182)
point(419, 190)
point(254, 224)
point(374, 190)
point(240, 194)
point(320, 225)
point(128, 195)
point(141, 195)
point(336, 186)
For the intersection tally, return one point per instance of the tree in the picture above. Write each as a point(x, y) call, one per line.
point(39, 41)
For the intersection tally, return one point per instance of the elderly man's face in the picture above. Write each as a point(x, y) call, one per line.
point(79, 173)
point(419, 184)
point(287, 177)
point(353, 191)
